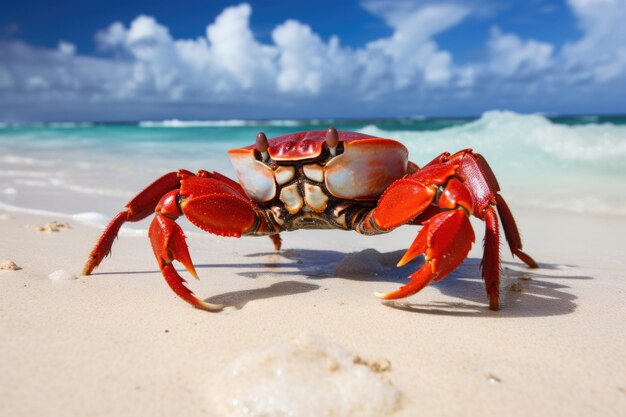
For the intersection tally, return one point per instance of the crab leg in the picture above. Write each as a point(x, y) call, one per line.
point(485, 190)
point(490, 264)
point(469, 185)
point(140, 207)
point(209, 202)
point(168, 243)
point(445, 239)
point(512, 233)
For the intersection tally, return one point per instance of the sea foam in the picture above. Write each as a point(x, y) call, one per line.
point(305, 377)
point(505, 132)
point(539, 163)
point(176, 123)
point(575, 164)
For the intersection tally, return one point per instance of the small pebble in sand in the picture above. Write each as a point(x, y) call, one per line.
point(493, 379)
point(9, 265)
point(305, 377)
point(5, 217)
point(53, 227)
point(62, 275)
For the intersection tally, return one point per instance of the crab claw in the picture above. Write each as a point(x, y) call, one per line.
point(445, 241)
point(177, 284)
point(168, 243)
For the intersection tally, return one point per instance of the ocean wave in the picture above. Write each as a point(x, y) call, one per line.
point(18, 173)
point(539, 163)
point(176, 123)
point(24, 178)
point(55, 182)
point(589, 119)
point(23, 160)
point(504, 132)
point(92, 219)
point(69, 125)
point(583, 205)
point(54, 125)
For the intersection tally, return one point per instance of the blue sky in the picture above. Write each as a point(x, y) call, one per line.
point(89, 60)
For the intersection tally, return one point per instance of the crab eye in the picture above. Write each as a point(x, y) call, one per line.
point(262, 145)
point(332, 139)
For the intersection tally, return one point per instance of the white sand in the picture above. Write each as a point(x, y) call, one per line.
point(120, 343)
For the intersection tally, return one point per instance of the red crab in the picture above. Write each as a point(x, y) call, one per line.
point(329, 180)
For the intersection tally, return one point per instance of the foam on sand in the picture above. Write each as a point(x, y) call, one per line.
point(307, 376)
point(88, 218)
point(62, 275)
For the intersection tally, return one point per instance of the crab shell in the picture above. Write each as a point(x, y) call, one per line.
point(362, 169)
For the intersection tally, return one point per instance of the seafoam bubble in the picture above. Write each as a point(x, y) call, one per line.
point(62, 275)
point(92, 219)
point(304, 377)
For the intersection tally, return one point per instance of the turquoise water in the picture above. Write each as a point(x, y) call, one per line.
point(559, 163)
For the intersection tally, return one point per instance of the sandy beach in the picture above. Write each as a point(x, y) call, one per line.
point(326, 114)
point(302, 333)
point(121, 343)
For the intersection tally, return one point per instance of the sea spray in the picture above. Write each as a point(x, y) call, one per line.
point(538, 163)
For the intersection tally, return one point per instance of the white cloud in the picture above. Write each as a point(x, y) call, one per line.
point(417, 22)
point(144, 66)
point(309, 66)
point(66, 48)
point(230, 61)
point(511, 55)
point(53, 74)
point(227, 61)
point(602, 49)
point(301, 59)
point(410, 54)
point(236, 52)
point(112, 37)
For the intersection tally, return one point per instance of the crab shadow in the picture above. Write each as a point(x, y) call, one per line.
point(239, 299)
point(524, 292)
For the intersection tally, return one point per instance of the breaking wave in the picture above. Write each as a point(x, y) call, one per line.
point(508, 133)
point(577, 168)
point(575, 164)
point(176, 123)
